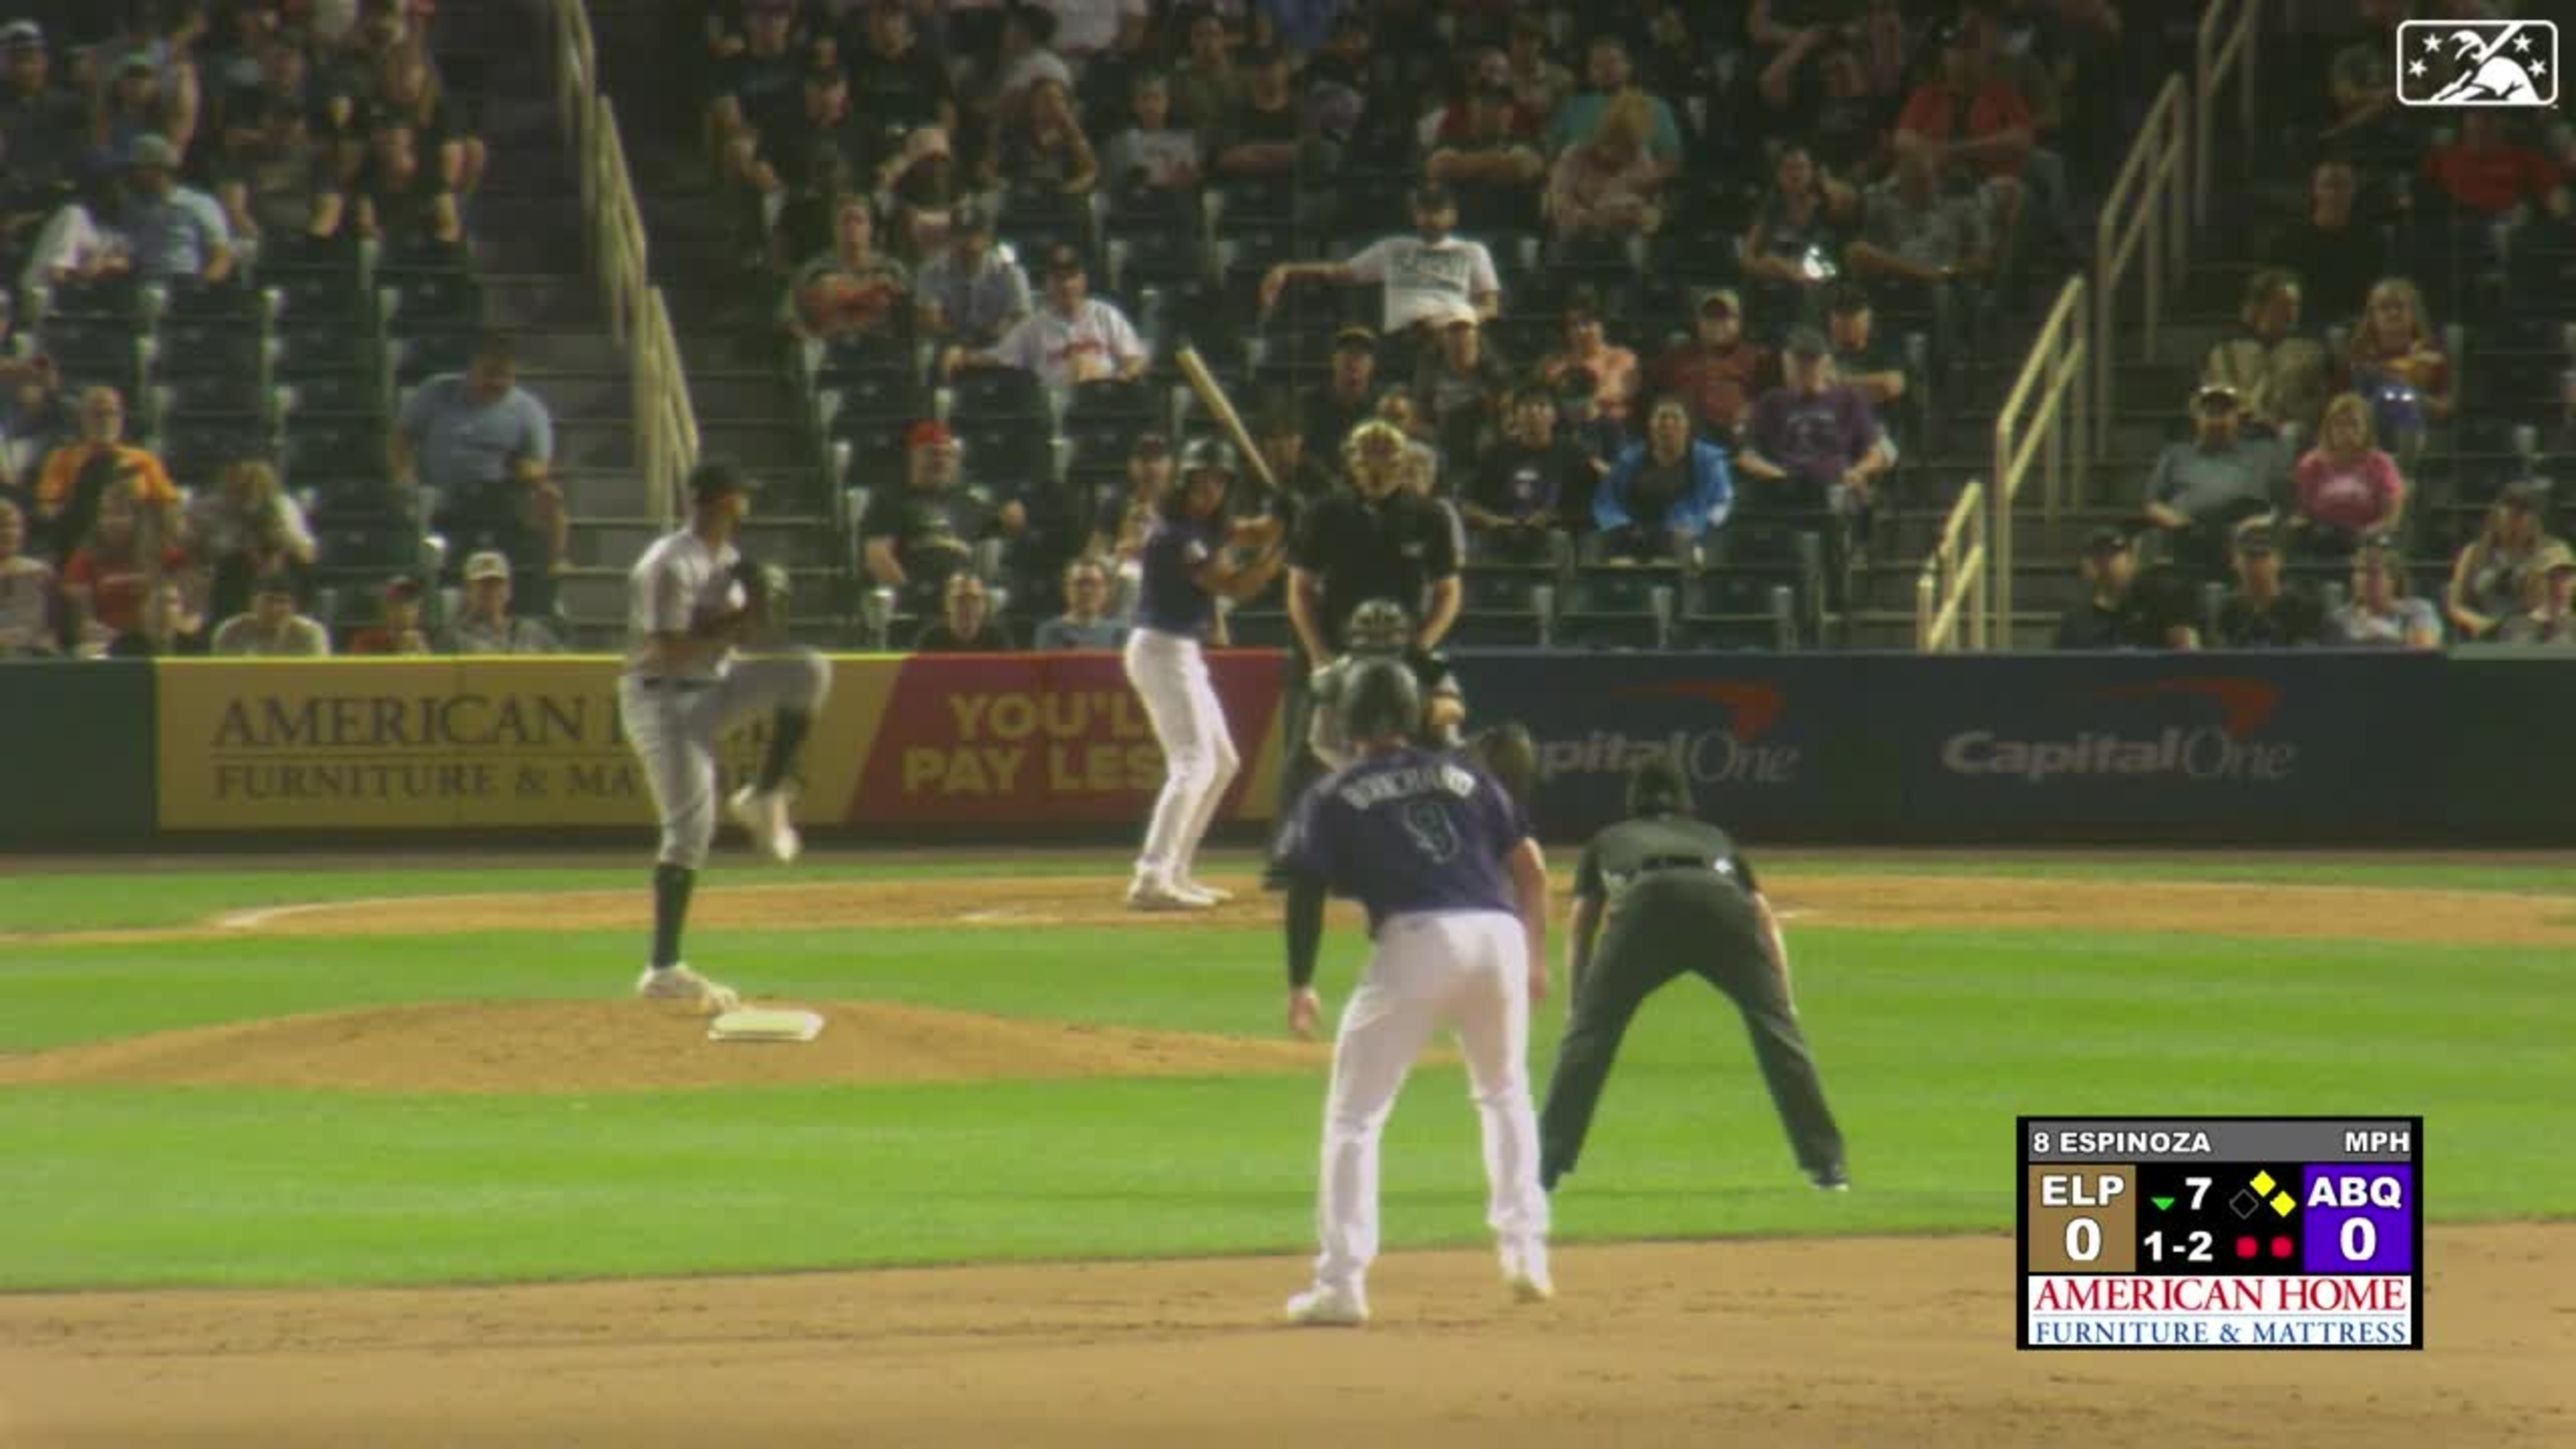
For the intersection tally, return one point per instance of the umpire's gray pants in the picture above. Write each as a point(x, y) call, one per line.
point(674, 724)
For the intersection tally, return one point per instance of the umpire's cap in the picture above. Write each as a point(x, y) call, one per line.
point(1215, 453)
point(1380, 699)
point(1657, 786)
point(712, 480)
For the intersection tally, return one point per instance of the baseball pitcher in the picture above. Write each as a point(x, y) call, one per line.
point(1456, 892)
point(691, 600)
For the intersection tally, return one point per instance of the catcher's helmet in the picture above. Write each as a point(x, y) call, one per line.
point(1378, 626)
point(1379, 699)
point(1206, 453)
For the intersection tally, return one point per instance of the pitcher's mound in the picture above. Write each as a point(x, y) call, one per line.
point(636, 1046)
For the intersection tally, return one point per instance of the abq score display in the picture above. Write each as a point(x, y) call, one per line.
point(2222, 1232)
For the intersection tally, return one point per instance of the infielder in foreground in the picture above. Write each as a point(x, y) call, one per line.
point(1192, 557)
point(1678, 897)
point(691, 599)
point(1456, 892)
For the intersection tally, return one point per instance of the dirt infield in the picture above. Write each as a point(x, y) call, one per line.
point(1850, 1343)
point(639, 1046)
point(1841, 1342)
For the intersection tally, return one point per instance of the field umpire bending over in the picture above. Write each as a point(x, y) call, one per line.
point(1678, 898)
point(690, 600)
point(1376, 540)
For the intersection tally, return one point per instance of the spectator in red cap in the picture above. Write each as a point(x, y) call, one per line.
point(914, 537)
point(1717, 372)
point(397, 628)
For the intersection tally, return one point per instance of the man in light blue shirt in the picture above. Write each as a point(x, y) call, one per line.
point(174, 230)
point(484, 444)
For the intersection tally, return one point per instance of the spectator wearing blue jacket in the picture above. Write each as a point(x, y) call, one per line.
point(1665, 493)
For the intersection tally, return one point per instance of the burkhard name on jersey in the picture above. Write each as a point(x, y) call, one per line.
point(1407, 784)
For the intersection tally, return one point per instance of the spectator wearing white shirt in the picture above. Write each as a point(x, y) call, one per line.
point(1084, 28)
point(1073, 339)
point(1426, 274)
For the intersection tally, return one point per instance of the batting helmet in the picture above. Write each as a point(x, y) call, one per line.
point(1204, 453)
point(1657, 786)
point(1379, 699)
point(1378, 626)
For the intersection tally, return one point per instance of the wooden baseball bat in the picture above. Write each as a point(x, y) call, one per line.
point(1204, 383)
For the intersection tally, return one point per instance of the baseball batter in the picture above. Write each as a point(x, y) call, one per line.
point(1678, 896)
point(690, 600)
point(1456, 892)
point(1380, 629)
point(1193, 556)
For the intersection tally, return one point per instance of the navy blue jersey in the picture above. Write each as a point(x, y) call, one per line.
point(1409, 830)
point(1168, 599)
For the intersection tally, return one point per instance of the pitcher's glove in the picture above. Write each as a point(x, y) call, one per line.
point(1507, 753)
point(764, 589)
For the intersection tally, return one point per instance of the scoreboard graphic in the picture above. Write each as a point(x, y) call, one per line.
point(2222, 1232)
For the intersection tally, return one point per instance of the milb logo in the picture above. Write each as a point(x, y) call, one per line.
point(1734, 755)
point(2225, 751)
point(2512, 63)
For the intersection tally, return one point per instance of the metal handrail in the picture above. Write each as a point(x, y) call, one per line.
point(2158, 220)
point(639, 318)
point(2047, 409)
point(1954, 590)
point(2217, 62)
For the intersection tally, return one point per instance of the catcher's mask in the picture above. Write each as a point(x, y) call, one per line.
point(1378, 626)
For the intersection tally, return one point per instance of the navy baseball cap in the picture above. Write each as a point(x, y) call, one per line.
point(716, 479)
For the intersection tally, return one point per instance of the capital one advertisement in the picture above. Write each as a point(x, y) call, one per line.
point(1896, 747)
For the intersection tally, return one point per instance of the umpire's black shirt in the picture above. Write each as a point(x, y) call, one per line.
point(1396, 548)
point(1660, 875)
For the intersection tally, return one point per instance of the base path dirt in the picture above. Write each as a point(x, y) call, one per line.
point(1854, 1343)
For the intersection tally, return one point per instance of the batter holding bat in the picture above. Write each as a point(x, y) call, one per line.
point(1193, 556)
point(1456, 891)
point(691, 601)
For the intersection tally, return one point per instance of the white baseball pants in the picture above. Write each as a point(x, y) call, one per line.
point(1199, 759)
point(673, 729)
point(1466, 969)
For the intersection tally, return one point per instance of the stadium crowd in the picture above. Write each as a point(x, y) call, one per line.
point(198, 428)
point(1666, 300)
point(1670, 286)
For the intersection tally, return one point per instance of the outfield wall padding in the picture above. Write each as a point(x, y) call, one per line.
point(2305, 747)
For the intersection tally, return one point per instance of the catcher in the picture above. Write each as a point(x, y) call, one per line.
point(1380, 629)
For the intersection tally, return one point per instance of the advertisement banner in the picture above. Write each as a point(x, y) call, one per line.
point(1014, 738)
point(1771, 742)
point(2247, 745)
point(1897, 747)
point(493, 743)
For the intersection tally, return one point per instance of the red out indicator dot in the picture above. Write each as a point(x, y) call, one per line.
point(2248, 1248)
point(2282, 1247)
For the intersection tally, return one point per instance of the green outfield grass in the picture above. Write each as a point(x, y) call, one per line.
point(188, 893)
point(1931, 1042)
